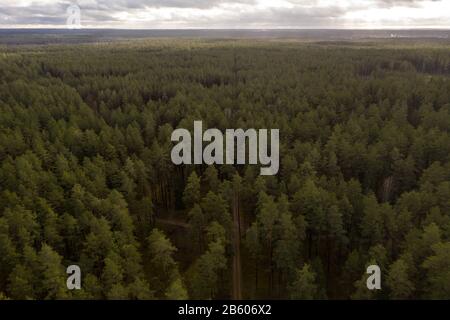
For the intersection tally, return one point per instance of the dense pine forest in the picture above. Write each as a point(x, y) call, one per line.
point(86, 176)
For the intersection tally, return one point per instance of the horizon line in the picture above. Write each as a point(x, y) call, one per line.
point(234, 29)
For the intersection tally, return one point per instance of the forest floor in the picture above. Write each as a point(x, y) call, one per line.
point(173, 222)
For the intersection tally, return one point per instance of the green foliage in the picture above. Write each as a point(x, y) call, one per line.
point(176, 291)
point(191, 193)
point(438, 271)
point(205, 272)
point(398, 280)
point(164, 267)
point(304, 287)
point(86, 176)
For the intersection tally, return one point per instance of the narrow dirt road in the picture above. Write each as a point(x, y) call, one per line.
point(237, 277)
point(173, 222)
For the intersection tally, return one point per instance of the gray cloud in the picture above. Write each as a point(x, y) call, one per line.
point(285, 17)
point(403, 3)
point(120, 5)
point(244, 13)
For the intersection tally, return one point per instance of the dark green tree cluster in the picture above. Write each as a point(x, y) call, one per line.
point(86, 176)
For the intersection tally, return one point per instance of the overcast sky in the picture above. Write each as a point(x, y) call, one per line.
point(261, 14)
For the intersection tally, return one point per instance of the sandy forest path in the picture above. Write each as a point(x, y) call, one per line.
point(173, 222)
point(237, 276)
